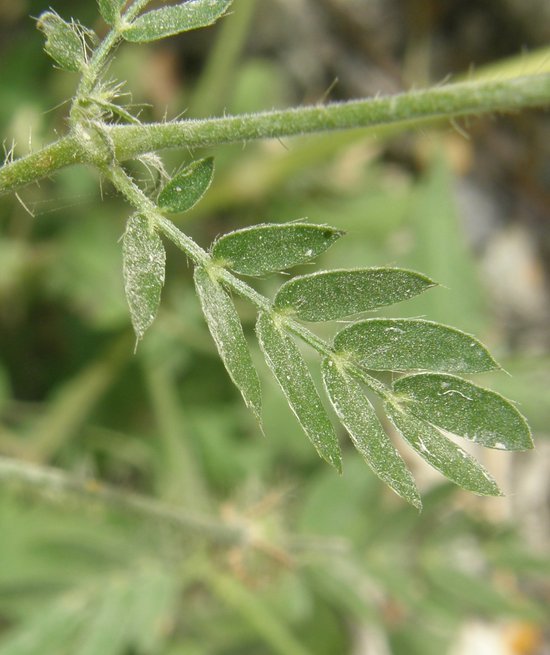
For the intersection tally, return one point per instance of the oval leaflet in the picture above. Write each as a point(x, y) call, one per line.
point(406, 344)
point(172, 20)
point(330, 295)
point(463, 408)
point(273, 247)
point(187, 187)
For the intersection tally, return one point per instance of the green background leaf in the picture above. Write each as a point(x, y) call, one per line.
point(273, 247)
point(406, 344)
point(330, 295)
point(144, 261)
point(187, 187)
point(465, 409)
point(444, 455)
point(225, 327)
point(290, 370)
point(169, 21)
point(359, 418)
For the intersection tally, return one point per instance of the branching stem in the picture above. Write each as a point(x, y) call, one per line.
point(404, 111)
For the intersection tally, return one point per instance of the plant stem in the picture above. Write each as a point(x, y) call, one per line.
point(452, 101)
point(405, 110)
point(93, 71)
point(56, 485)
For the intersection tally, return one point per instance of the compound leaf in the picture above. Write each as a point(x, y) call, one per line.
point(444, 455)
point(290, 370)
point(176, 19)
point(466, 410)
point(226, 330)
point(110, 10)
point(330, 295)
point(187, 187)
point(406, 344)
point(144, 261)
point(64, 43)
point(273, 247)
point(359, 418)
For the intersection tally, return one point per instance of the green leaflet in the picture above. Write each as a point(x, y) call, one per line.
point(187, 187)
point(110, 10)
point(444, 455)
point(466, 410)
point(405, 344)
point(290, 370)
point(330, 295)
point(225, 326)
point(172, 20)
point(144, 262)
point(358, 417)
point(64, 43)
point(273, 247)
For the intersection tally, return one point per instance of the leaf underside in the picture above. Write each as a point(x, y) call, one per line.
point(359, 418)
point(226, 330)
point(291, 372)
point(441, 453)
point(63, 42)
point(144, 261)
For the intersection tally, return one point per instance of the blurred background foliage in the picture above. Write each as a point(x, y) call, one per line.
point(332, 564)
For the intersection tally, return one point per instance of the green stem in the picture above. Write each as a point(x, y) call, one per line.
point(40, 164)
point(93, 71)
point(452, 101)
point(406, 110)
point(57, 486)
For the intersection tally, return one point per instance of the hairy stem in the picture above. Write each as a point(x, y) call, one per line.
point(101, 54)
point(405, 110)
point(452, 101)
point(57, 486)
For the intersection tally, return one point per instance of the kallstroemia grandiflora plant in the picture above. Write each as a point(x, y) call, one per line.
point(427, 399)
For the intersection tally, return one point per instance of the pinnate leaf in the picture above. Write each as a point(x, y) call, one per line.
point(226, 330)
point(273, 247)
point(359, 418)
point(110, 9)
point(444, 455)
point(290, 370)
point(64, 44)
point(466, 410)
point(330, 295)
point(176, 19)
point(405, 344)
point(144, 261)
point(187, 187)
